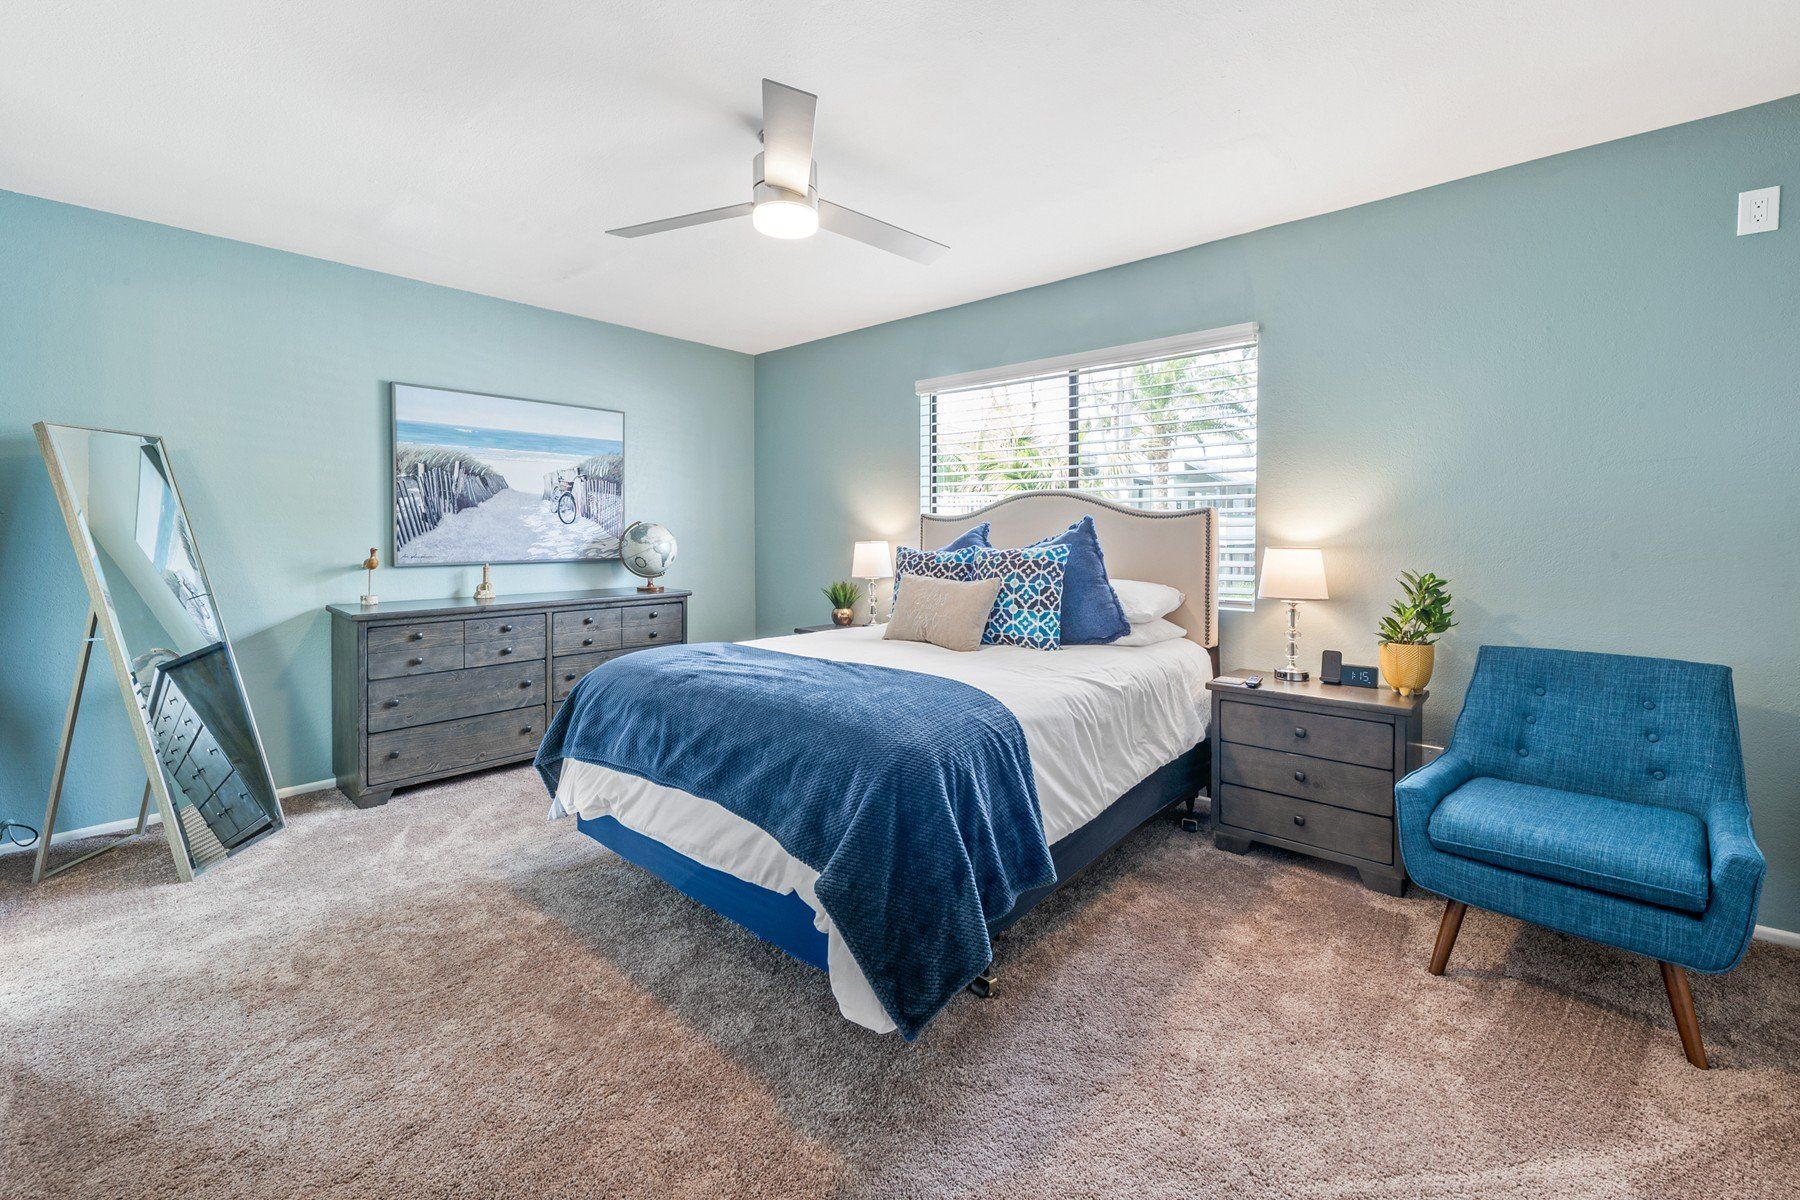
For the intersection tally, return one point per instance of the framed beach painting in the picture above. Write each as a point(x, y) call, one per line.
point(490, 479)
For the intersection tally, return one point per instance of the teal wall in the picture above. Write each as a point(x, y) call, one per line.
point(267, 373)
point(1566, 385)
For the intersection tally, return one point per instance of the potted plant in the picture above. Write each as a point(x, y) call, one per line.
point(843, 596)
point(1420, 617)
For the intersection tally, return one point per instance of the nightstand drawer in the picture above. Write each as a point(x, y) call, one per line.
point(1336, 829)
point(1345, 785)
point(1345, 739)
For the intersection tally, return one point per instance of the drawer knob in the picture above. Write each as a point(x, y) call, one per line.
point(587, 620)
point(1299, 776)
point(527, 729)
point(651, 614)
point(1300, 820)
point(393, 754)
point(415, 662)
point(505, 650)
point(390, 704)
point(587, 641)
point(506, 629)
point(568, 677)
point(524, 683)
point(652, 637)
point(1299, 731)
point(415, 637)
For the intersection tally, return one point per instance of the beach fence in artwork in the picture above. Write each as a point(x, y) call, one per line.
point(431, 482)
point(598, 490)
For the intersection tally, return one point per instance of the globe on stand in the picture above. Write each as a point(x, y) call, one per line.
point(647, 549)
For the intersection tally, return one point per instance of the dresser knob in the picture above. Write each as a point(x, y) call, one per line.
point(415, 637)
point(651, 614)
point(587, 620)
point(1300, 820)
point(390, 704)
point(506, 629)
point(527, 729)
point(653, 637)
point(587, 641)
point(505, 650)
point(1299, 776)
point(524, 683)
point(415, 662)
point(393, 754)
point(1299, 732)
point(567, 678)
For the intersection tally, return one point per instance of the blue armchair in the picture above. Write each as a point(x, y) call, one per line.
point(1599, 795)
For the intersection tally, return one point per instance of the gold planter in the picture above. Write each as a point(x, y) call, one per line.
point(1407, 669)
point(842, 616)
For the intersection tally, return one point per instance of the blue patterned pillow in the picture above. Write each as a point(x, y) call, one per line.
point(933, 564)
point(1028, 611)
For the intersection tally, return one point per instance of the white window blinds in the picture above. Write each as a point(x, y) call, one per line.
point(1169, 424)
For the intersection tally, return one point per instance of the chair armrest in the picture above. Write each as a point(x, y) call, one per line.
point(1419, 793)
point(1737, 862)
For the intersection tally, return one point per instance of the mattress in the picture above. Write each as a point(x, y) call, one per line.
point(1096, 719)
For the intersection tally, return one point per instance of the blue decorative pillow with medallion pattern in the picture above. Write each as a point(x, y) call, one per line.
point(1028, 611)
point(934, 564)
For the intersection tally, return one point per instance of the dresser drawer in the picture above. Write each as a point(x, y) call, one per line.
point(494, 629)
point(425, 699)
point(1366, 743)
point(1366, 789)
point(583, 630)
point(390, 639)
point(1321, 825)
point(454, 745)
point(419, 660)
point(653, 624)
point(504, 650)
point(567, 670)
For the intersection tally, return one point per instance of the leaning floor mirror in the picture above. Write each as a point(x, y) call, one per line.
point(153, 612)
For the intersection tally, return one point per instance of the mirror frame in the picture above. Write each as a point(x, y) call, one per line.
point(101, 606)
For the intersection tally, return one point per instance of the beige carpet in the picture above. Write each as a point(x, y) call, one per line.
point(450, 997)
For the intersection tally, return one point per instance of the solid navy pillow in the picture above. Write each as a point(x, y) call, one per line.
point(1091, 615)
point(978, 536)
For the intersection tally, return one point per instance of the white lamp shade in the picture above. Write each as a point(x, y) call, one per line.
point(1292, 573)
point(872, 560)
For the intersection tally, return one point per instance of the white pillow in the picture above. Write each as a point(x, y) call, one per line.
point(1146, 601)
point(1149, 633)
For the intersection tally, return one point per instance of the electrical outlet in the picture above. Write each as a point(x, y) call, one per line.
point(1759, 211)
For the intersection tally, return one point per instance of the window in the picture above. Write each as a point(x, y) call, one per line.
point(1169, 424)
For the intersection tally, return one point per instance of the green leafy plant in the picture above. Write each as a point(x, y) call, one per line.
point(843, 594)
point(1422, 614)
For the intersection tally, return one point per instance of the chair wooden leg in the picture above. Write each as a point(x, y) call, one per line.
point(1446, 938)
point(1681, 1000)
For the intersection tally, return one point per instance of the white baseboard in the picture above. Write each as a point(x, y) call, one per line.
point(1778, 937)
point(155, 821)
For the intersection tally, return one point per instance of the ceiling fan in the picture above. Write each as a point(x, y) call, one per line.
point(785, 200)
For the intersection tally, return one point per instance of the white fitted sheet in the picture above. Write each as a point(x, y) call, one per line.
point(1096, 719)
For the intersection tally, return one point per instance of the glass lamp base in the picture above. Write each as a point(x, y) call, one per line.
point(1291, 674)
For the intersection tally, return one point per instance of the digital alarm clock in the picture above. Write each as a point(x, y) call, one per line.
point(1333, 669)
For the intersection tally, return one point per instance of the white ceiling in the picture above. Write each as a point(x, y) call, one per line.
point(485, 144)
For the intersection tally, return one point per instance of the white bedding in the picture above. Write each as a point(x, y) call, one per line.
point(1097, 719)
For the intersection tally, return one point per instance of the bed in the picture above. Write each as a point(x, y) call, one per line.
point(1114, 735)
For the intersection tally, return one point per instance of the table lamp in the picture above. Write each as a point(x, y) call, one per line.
point(1292, 574)
point(868, 562)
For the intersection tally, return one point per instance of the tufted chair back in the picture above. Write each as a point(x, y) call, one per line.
point(1647, 730)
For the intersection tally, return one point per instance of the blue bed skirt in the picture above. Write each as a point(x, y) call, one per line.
point(784, 920)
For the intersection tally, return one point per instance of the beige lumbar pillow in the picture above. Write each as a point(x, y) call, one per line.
point(944, 612)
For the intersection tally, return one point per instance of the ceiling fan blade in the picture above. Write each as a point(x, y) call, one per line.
point(668, 223)
point(847, 222)
point(787, 135)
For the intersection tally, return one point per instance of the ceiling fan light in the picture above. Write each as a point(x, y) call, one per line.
point(788, 219)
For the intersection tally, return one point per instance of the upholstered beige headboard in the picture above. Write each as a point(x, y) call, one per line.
point(1180, 549)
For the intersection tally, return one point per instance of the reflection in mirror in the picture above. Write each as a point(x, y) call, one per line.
point(157, 611)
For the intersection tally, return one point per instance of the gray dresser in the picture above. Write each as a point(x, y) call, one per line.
point(428, 689)
point(1311, 767)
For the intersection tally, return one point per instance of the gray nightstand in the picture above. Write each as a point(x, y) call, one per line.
point(1312, 767)
point(820, 628)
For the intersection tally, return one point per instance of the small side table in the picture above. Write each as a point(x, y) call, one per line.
point(820, 628)
point(1311, 767)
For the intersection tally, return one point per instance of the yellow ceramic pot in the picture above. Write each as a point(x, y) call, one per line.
point(1407, 669)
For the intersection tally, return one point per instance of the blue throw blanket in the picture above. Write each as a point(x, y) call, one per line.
point(912, 796)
